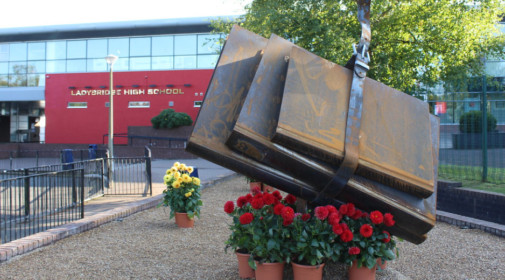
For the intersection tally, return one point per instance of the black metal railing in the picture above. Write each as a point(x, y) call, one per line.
point(128, 176)
point(35, 203)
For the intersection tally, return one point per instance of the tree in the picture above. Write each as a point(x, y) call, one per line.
point(168, 118)
point(413, 42)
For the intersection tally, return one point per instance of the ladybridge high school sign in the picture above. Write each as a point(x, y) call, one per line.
point(151, 91)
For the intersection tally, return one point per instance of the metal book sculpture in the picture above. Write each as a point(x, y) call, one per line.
point(325, 133)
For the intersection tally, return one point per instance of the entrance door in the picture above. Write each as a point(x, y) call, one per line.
point(5, 129)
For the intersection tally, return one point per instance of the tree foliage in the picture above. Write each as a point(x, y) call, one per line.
point(413, 42)
point(168, 118)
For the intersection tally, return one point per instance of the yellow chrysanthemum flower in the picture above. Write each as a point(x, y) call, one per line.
point(177, 164)
point(190, 169)
point(180, 180)
point(167, 178)
point(188, 194)
point(177, 175)
point(176, 184)
point(169, 171)
point(173, 169)
point(182, 166)
point(186, 178)
point(196, 181)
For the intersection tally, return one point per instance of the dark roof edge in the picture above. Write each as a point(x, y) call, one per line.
point(109, 29)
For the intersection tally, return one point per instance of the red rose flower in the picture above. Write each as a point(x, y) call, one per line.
point(246, 218)
point(331, 209)
point(305, 217)
point(343, 209)
point(321, 212)
point(333, 218)
point(257, 203)
point(278, 208)
point(277, 195)
point(268, 199)
point(387, 239)
point(288, 213)
point(388, 220)
point(354, 251)
point(229, 206)
point(241, 201)
point(290, 199)
point(350, 209)
point(376, 217)
point(337, 229)
point(346, 236)
point(366, 230)
point(287, 222)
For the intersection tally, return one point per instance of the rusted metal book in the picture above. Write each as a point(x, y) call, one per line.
point(227, 92)
point(394, 140)
point(255, 126)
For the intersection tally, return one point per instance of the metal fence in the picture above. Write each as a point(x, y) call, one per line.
point(472, 132)
point(38, 198)
point(35, 203)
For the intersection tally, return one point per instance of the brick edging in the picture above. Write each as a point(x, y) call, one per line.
point(462, 221)
point(38, 240)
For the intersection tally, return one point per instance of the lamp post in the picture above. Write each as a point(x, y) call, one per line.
point(111, 59)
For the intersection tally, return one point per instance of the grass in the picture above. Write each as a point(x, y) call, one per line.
point(471, 177)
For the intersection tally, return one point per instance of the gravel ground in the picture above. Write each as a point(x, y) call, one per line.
point(148, 245)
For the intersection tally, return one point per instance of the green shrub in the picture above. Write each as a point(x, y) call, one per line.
point(472, 122)
point(168, 118)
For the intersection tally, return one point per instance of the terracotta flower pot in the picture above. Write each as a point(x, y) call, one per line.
point(244, 269)
point(302, 272)
point(253, 185)
point(361, 273)
point(183, 221)
point(269, 271)
point(382, 265)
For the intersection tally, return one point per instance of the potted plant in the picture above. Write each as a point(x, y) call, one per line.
point(313, 242)
point(254, 184)
point(364, 240)
point(182, 194)
point(259, 227)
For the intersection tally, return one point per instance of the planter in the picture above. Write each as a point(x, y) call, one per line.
point(302, 272)
point(244, 269)
point(253, 185)
point(269, 271)
point(382, 265)
point(267, 188)
point(474, 140)
point(361, 273)
point(183, 221)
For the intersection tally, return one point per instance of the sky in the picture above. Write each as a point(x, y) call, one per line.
point(22, 13)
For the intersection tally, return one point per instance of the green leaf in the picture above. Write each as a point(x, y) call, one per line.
point(271, 244)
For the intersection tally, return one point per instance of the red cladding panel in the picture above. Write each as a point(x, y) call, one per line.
point(88, 125)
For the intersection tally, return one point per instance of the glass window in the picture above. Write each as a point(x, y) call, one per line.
point(163, 62)
point(36, 80)
point(17, 51)
point(185, 62)
point(197, 103)
point(119, 47)
point(17, 80)
point(4, 52)
point(185, 44)
point(4, 80)
point(4, 67)
point(97, 48)
point(76, 65)
point(56, 50)
point(77, 105)
point(55, 66)
point(36, 51)
point(207, 61)
point(122, 64)
point(140, 63)
point(209, 43)
point(76, 49)
point(140, 46)
point(163, 45)
point(139, 104)
point(171, 103)
point(17, 67)
point(97, 65)
point(36, 67)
